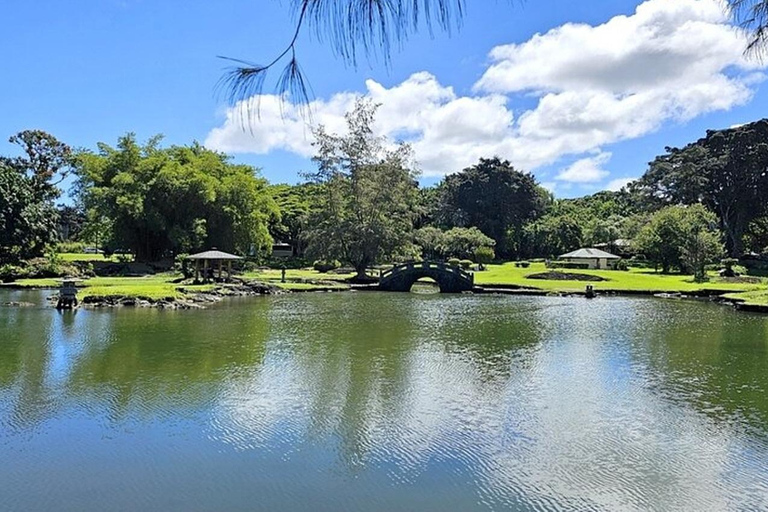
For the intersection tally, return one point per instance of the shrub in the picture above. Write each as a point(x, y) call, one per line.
point(324, 266)
point(484, 255)
point(466, 264)
point(10, 273)
point(622, 265)
point(454, 262)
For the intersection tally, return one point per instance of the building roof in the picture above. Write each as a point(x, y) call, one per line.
point(213, 254)
point(590, 253)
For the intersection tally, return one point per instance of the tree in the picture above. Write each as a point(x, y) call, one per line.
point(28, 187)
point(160, 202)
point(727, 171)
point(701, 247)
point(463, 243)
point(367, 210)
point(46, 160)
point(680, 237)
point(551, 236)
point(494, 197)
point(27, 220)
point(432, 242)
point(297, 204)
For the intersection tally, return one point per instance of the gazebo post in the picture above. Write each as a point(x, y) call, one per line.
point(197, 270)
point(220, 264)
point(229, 269)
point(205, 270)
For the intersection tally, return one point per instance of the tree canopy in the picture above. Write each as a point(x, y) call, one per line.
point(727, 171)
point(158, 202)
point(28, 187)
point(494, 197)
point(368, 206)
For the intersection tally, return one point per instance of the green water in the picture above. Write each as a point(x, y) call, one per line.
point(376, 402)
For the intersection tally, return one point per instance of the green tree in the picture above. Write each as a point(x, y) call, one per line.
point(297, 204)
point(551, 236)
point(159, 202)
point(494, 197)
point(725, 171)
point(701, 247)
point(679, 237)
point(463, 243)
point(28, 187)
point(432, 242)
point(27, 220)
point(367, 210)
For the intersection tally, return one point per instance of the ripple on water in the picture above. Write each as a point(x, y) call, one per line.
point(388, 402)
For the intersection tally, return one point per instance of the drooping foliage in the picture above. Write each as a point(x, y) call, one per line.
point(158, 202)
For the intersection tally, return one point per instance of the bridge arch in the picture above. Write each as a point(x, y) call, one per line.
point(450, 279)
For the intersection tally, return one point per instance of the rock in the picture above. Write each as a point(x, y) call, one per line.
point(17, 304)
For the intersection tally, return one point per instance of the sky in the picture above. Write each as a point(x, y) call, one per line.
point(582, 94)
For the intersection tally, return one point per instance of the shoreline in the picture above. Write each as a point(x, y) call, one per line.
point(193, 299)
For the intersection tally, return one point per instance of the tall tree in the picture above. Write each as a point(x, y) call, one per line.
point(727, 171)
point(28, 187)
point(367, 209)
point(494, 197)
point(158, 202)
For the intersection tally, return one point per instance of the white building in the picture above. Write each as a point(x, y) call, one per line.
point(595, 258)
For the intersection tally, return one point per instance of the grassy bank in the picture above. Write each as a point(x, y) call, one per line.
point(635, 280)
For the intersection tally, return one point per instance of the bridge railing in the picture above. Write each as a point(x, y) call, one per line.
point(427, 265)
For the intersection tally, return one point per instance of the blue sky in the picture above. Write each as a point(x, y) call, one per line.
point(583, 107)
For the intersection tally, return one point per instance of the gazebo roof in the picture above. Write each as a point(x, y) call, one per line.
point(591, 253)
point(213, 254)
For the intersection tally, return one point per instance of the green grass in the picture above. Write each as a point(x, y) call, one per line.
point(296, 275)
point(753, 298)
point(76, 256)
point(633, 280)
point(151, 287)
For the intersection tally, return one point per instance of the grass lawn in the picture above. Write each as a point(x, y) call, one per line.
point(77, 256)
point(152, 287)
point(753, 298)
point(296, 275)
point(633, 280)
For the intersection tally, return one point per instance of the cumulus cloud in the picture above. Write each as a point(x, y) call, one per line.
point(594, 86)
point(586, 170)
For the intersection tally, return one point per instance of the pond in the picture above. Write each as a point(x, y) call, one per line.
point(382, 402)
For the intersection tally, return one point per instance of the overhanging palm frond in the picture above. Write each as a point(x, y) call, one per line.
point(752, 15)
point(353, 28)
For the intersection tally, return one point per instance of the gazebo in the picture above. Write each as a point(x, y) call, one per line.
point(212, 258)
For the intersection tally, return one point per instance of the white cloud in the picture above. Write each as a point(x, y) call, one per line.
point(586, 170)
point(595, 85)
point(618, 184)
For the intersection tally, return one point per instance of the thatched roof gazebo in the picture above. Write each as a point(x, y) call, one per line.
point(212, 257)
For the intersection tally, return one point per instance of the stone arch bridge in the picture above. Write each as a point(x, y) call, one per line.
point(449, 278)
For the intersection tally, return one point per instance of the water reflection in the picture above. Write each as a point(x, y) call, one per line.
point(382, 402)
